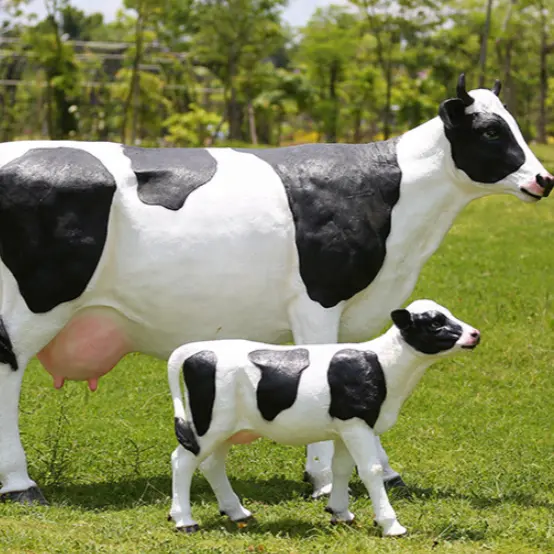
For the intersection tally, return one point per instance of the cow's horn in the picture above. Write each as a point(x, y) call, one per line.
point(496, 88)
point(462, 92)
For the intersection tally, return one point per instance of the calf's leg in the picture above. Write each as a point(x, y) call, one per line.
point(183, 463)
point(311, 324)
point(213, 469)
point(342, 467)
point(360, 441)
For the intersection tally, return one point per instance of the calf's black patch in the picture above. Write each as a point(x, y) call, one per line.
point(341, 197)
point(199, 373)
point(483, 146)
point(357, 385)
point(7, 355)
point(185, 436)
point(166, 176)
point(54, 210)
point(281, 371)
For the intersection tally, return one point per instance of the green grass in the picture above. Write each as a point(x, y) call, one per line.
point(475, 441)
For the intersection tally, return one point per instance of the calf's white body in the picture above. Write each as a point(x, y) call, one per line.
point(226, 376)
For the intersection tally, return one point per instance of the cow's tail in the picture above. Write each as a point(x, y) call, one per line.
point(174, 366)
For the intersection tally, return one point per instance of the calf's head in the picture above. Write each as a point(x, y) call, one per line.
point(431, 329)
point(488, 149)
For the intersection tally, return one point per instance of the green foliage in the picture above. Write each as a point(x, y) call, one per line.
point(359, 70)
point(192, 128)
point(474, 442)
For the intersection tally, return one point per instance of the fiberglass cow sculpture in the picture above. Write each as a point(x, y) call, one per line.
point(237, 391)
point(108, 249)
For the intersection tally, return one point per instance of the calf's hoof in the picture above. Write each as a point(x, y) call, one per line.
point(31, 497)
point(188, 528)
point(393, 529)
point(347, 518)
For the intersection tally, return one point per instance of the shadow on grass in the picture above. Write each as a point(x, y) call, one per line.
point(153, 490)
point(141, 491)
point(412, 493)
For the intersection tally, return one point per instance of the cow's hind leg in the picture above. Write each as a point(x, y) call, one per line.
point(213, 469)
point(16, 483)
point(183, 463)
point(342, 467)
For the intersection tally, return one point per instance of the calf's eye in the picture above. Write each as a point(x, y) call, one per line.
point(491, 134)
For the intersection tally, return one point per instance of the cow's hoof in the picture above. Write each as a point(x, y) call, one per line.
point(188, 528)
point(30, 497)
point(395, 483)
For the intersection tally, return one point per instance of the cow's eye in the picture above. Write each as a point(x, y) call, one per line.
point(491, 134)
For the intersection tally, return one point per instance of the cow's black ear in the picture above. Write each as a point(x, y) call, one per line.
point(402, 319)
point(452, 112)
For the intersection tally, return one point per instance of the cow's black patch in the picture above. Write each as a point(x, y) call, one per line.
point(54, 210)
point(341, 197)
point(281, 372)
point(482, 145)
point(185, 436)
point(7, 355)
point(428, 332)
point(199, 373)
point(166, 176)
point(357, 385)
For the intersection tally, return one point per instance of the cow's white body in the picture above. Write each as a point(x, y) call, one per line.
point(225, 265)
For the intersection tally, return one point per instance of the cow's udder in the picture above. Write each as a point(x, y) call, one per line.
point(88, 347)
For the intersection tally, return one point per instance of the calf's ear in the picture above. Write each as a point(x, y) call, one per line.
point(402, 319)
point(452, 112)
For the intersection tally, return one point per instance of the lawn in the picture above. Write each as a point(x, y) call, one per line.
point(475, 442)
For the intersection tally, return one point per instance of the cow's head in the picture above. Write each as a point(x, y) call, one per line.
point(431, 329)
point(488, 148)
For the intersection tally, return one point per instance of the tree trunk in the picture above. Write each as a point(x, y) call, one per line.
point(332, 128)
point(388, 101)
point(543, 80)
point(135, 79)
point(357, 135)
point(484, 44)
point(252, 124)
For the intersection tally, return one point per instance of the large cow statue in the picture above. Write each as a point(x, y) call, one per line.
point(108, 249)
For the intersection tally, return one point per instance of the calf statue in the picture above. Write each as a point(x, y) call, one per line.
point(237, 391)
point(107, 249)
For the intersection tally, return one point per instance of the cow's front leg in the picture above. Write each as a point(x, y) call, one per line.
point(312, 324)
point(16, 483)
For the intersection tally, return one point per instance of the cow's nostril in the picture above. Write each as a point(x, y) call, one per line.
point(474, 334)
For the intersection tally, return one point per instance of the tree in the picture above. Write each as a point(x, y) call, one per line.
point(233, 34)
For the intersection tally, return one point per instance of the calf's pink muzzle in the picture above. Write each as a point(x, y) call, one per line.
point(540, 187)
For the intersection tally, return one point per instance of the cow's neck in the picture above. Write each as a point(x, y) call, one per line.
point(430, 196)
point(402, 366)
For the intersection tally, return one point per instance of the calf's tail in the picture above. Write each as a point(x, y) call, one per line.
point(174, 366)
